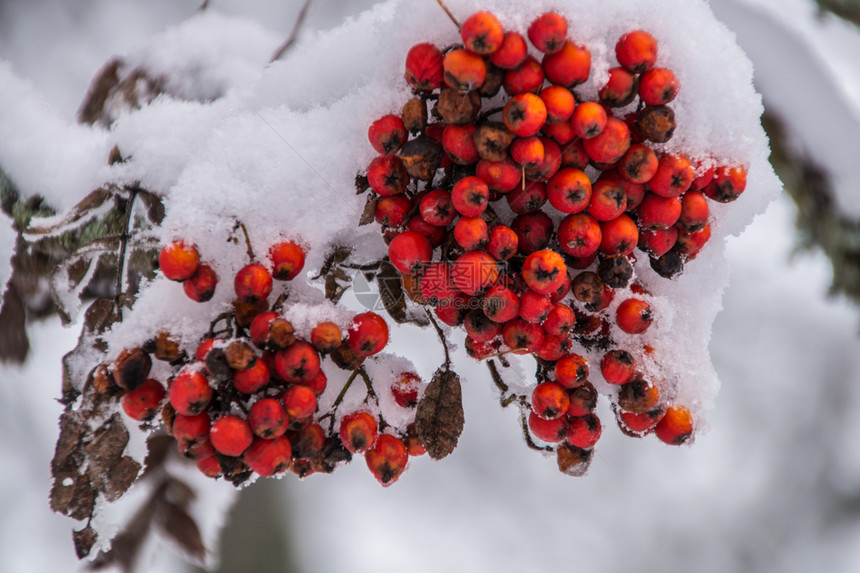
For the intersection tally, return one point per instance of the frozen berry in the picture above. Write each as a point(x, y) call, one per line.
point(178, 260)
point(230, 435)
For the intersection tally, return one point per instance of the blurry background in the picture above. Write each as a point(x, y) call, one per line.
point(773, 486)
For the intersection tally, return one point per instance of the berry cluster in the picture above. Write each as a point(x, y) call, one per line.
point(516, 208)
point(247, 401)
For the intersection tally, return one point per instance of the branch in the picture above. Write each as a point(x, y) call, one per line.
point(294, 34)
point(120, 264)
point(447, 364)
point(448, 12)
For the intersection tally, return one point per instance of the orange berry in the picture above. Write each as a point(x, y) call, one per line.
point(569, 190)
point(608, 200)
point(588, 120)
point(200, 287)
point(527, 78)
point(655, 212)
point(568, 67)
point(620, 88)
point(728, 184)
point(326, 336)
point(358, 432)
point(658, 86)
point(464, 70)
point(618, 236)
point(636, 51)
point(634, 316)
point(474, 271)
point(571, 371)
point(617, 367)
point(694, 211)
point(639, 164)
point(676, 426)
point(387, 459)
point(544, 271)
point(548, 31)
point(482, 33)
point(511, 53)
point(288, 259)
point(610, 144)
point(673, 177)
point(524, 114)
point(178, 260)
point(549, 400)
point(559, 102)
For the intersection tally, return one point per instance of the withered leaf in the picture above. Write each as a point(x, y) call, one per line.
point(361, 184)
point(120, 477)
point(391, 292)
point(84, 540)
point(72, 495)
point(106, 448)
point(333, 289)
point(68, 455)
point(182, 528)
point(439, 417)
point(93, 200)
point(154, 206)
point(369, 210)
point(14, 343)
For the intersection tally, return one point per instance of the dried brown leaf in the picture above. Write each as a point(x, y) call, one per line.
point(72, 495)
point(439, 417)
point(391, 292)
point(84, 540)
point(182, 528)
point(367, 216)
point(153, 204)
point(93, 200)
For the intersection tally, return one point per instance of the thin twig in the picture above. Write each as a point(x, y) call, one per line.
point(120, 264)
point(248, 247)
point(527, 435)
point(294, 34)
point(369, 383)
point(441, 334)
point(450, 15)
point(341, 395)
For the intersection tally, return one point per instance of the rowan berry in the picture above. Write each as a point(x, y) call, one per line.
point(142, 403)
point(253, 281)
point(267, 418)
point(573, 461)
point(458, 141)
point(308, 441)
point(387, 134)
point(178, 260)
point(387, 175)
point(728, 184)
point(560, 321)
point(673, 176)
point(676, 426)
point(492, 140)
point(694, 211)
point(480, 350)
point(544, 271)
point(367, 334)
point(571, 370)
point(549, 400)
point(470, 196)
point(568, 67)
point(656, 123)
point(583, 399)
point(464, 70)
point(638, 425)
point(639, 164)
point(534, 230)
point(638, 396)
point(615, 271)
point(326, 336)
point(414, 115)
point(252, 378)
point(658, 86)
point(524, 114)
point(705, 170)
point(636, 51)
point(588, 120)
point(453, 311)
point(502, 243)
point(562, 133)
point(318, 384)
point(517, 334)
point(479, 327)
point(270, 331)
point(528, 77)
point(268, 457)
point(618, 236)
point(500, 304)
point(550, 163)
point(299, 363)
point(657, 242)
point(689, 244)
point(558, 294)
point(559, 102)
point(437, 287)
point(288, 259)
point(527, 151)
point(656, 212)
point(548, 31)
point(553, 347)
point(424, 67)
point(209, 466)
point(300, 403)
point(534, 307)
point(512, 52)
point(668, 265)
point(620, 88)
point(404, 389)
point(579, 235)
point(410, 252)
point(191, 432)
point(502, 176)
point(189, 393)
point(550, 431)
point(474, 271)
point(358, 431)
point(200, 286)
point(230, 435)
point(618, 367)
point(610, 144)
point(584, 431)
point(387, 459)
point(131, 368)
point(607, 201)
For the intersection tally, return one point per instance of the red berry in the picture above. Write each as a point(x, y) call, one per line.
point(251, 379)
point(518, 333)
point(571, 371)
point(458, 141)
point(638, 396)
point(579, 235)
point(474, 271)
point(479, 327)
point(584, 431)
point(550, 431)
point(560, 321)
point(608, 200)
point(658, 242)
point(392, 211)
point(288, 259)
point(437, 208)
point(534, 307)
point(568, 67)
point(502, 176)
point(728, 184)
point(464, 70)
point(569, 190)
point(676, 426)
point(620, 89)
point(533, 230)
point(502, 243)
point(300, 403)
point(500, 304)
point(178, 260)
point(387, 175)
point(189, 393)
point(267, 418)
point(268, 457)
point(610, 144)
point(200, 286)
point(482, 33)
point(655, 212)
point(639, 164)
point(437, 286)
point(367, 334)
point(387, 134)
point(230, 435)
point(299, 363)
point(588, 120)
point(424, 67)
point(526, 78)
point(618, 236)
point(544, 271)
point(387, 459)
point(559, 102)
point(308, 441)
point(528, 152)
point(634, 316)
point(253, 281)
point(694, 211)
point(636, 51)
point(405, 388)
point(470, 196)
point(617, 367)
point(583, 400)
point(524, 114)
point(511, 53)
point(673, 177)
point(548, 32)
point(410, 252)
point(358, 432)
point(658, 86)
point(142, 402)
point(191, 431)
point(549, 400)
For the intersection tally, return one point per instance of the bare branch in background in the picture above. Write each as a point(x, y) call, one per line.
point(294, 34)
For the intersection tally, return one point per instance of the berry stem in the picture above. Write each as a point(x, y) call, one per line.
point(248, 247)
point(448, 12)
point(511, 398)
point(524, 423)
point(367, 382)
point(123, 245)
point(342, 394)
point(447, 364)
point(294, 34)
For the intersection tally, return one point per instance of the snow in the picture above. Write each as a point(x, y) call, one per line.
point(247, 156)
